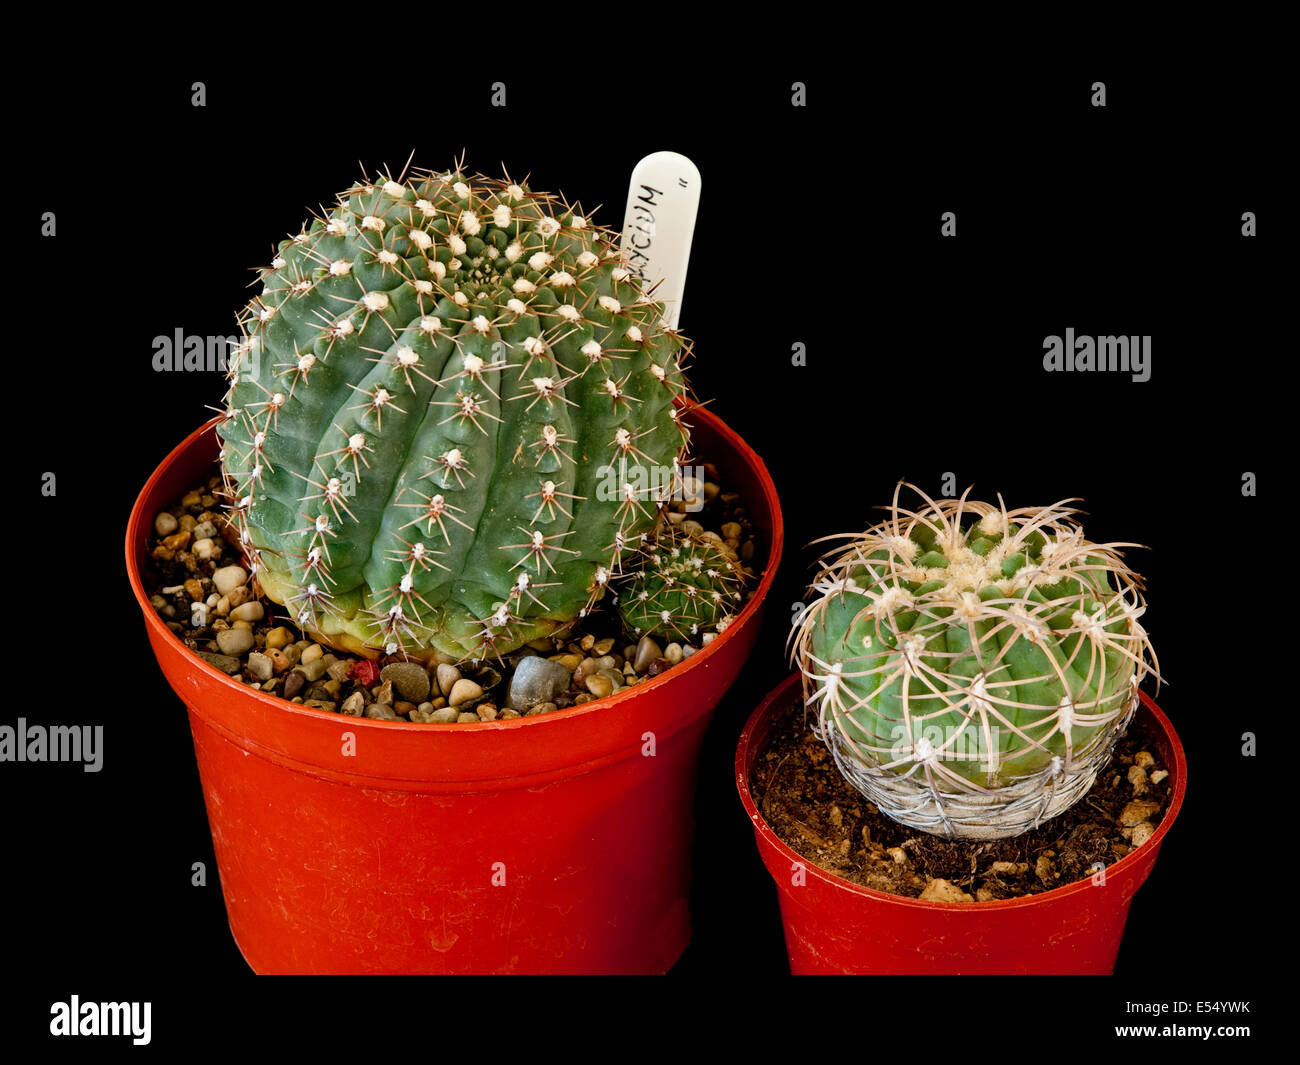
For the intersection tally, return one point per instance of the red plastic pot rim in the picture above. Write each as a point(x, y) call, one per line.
point(140, 522)
point(790, 689)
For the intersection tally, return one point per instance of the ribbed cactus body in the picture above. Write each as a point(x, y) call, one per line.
point(974, 651)
point(681, 586)
point(436, 419)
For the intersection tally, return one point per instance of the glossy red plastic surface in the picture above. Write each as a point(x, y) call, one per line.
point(558, 843)
point(834, 926)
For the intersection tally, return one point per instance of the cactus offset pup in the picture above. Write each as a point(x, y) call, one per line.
point(680, 586)
point(973, 666)
point(430, 391)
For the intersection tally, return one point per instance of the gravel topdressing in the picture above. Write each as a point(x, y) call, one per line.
point(198, 583)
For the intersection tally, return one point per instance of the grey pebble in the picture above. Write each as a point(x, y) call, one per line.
point(225, 663)
point(536, 680)
point(380, 711)
point(409, 680)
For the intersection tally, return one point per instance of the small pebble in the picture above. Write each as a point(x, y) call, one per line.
point(1137, 811)
point(447, 677)
point(280, 662)
point(537, 680)
point(228, 578)
point(164, 524)
point(1144, 759)
point(445, 715)
point(603, 647)
point(204, 530)
point(940, 890)
point(599, 685)
point(486, 712)
point(311, 654)
point(381, 712)
point(1142, 832)
point(194, 589)
point(384, 693)
point(235, 641)
point(402, 708)
point(426, 708)
point(279, 637)
point(177, 541)
point(463, 691)
point(673, 652)
point(260, 666)
point(205, 549)
point(1159, 775)
point(312, 670)
point(225, 663)
point(646, 652)
point(354, 704)
point(466, 718)
point(251, 611)
point(293, 684)
point(409, 679)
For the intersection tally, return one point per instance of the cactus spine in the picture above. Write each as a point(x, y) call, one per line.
point(973, 666)
point(431, 392)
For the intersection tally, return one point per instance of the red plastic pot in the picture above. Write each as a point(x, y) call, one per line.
point(558, 843)
point(834, 926)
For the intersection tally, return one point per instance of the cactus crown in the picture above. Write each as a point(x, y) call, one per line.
point(433, 415)
point(982, 655)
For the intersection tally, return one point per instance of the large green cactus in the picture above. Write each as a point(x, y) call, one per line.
point(442, 415)
point(973, 666)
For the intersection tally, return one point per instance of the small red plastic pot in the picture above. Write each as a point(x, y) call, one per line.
point(834, 926)
point(551, 844)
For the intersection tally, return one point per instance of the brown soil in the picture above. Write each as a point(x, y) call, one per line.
point(822, 817)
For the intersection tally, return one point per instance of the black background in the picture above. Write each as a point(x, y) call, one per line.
point(818, 225)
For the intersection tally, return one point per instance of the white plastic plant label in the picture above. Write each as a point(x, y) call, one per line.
point(662, 201)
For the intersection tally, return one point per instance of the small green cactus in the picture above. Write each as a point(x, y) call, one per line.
point(680, 586)
point(433, 387)
point(973, 667)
